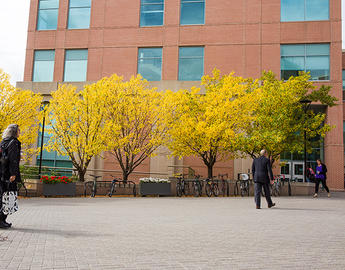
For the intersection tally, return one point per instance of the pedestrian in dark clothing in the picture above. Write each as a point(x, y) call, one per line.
point(262, 173)
point(10, 173)
point(321, 176)
point(310, 175)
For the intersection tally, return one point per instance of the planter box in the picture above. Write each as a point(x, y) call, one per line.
point(163, 189)
point(59, 189)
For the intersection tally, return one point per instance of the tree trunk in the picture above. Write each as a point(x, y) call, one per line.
point(125, 176)
point(81, 174)
point(210, 171)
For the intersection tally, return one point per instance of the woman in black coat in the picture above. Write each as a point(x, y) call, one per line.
point(10, 174)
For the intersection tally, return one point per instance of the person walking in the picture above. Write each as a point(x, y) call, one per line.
point(310, 174)
point(263, 175)
point(321, 176)
point(10, 174)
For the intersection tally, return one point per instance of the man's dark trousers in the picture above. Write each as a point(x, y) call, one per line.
point(258, 188)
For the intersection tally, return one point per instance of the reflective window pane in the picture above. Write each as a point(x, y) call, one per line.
point(292, 10)
point(304, 10)
point(192, 12)
point(47, 19)
point(43, 66)
point(191, 63)
point(317, 10)
point(150, 63)
point(75, 65)
point(151, 12)
point(344, 79)
point(79, 14)
point(315, 59)
point(79, 18)
point(48, 4)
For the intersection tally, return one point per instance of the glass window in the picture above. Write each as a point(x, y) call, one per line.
point(151, 12)
point(304, 10)
point(47, 14)
point(343, 85)
point(79, 14)
point(192, 12)
point(191, 63)
point(43, 66)
point(150, 63)
point(52, 158)
point(313, 58)
point(75, 65)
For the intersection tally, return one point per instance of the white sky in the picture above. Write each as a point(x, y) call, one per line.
point(13, 32)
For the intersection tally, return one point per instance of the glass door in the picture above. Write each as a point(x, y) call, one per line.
point(298, 171)
point(285, 170)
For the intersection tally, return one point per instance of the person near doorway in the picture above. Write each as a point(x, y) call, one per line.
point(321, 176)
point(263, 175)
point(310, 174)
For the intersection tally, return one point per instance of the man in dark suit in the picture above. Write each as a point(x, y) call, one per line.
point(262, 173)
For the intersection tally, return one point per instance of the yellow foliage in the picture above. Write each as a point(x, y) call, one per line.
point(76, 124)
point(20, 107)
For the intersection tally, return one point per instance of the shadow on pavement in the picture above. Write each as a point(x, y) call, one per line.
point(70, 234)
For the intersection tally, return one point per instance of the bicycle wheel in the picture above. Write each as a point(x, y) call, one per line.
point(196, 191)
point(243, 189)
point(178, 190)
point(208, 190)
point(215, 190)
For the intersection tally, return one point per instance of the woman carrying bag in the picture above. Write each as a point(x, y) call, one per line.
point(10, 148)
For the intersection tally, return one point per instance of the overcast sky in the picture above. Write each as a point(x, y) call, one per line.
point(13, 31)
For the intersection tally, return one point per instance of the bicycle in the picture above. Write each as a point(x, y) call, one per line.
point(94, 186)
point(242, 185)
point(211, 187)
point(276, 186)
point(118, 181)
point(225, 185)
point(182, 187)
point(197, 187)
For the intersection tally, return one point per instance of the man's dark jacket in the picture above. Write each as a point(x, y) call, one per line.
point(13, 147)
point(262, 171)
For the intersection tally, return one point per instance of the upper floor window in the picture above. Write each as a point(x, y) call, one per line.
point(192, 12)
point(151, 12)
point(75, 65)
point(79, 14)
point(47, 16)
point(191, 63)
point(150, 63)
point(313, 58)
point(304, 10)
point(43, 66)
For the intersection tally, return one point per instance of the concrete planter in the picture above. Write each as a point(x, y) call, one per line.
point(163, 189)
point(59, 189)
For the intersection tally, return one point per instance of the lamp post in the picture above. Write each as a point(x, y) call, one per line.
point(44, 104)
point(306, 104)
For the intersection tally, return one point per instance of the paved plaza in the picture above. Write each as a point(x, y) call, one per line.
point(175, 233)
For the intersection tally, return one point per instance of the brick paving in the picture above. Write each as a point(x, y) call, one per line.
point(175, 233)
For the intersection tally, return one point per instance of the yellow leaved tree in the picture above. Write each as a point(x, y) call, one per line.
point(133, 121)
point(21, 107)
point(210, 126)
point(281, 118)
point(76, 125)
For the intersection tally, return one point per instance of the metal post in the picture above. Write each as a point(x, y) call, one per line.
point(305, 156)
point(42, 137)
point(44, 103)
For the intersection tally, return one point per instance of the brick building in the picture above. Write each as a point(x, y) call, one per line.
point(173, 43)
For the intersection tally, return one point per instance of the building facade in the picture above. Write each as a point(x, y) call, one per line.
point(172, 43)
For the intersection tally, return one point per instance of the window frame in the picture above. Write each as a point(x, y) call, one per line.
point(79, 7)
point(34, 63)
point(305, 58)
point(140, 14)
point(305, 10)
point(138, 58)
point(192, 1)
point(64, 66)
point(179, 58)
point(38, 13)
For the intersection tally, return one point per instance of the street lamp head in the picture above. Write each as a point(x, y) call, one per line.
point(46, 102)
point(305, 101)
